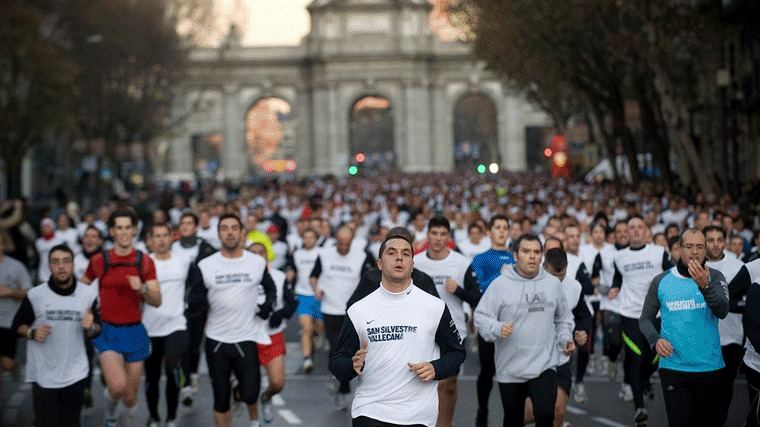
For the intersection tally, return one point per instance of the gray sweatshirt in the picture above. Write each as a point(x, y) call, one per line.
point(541, 324)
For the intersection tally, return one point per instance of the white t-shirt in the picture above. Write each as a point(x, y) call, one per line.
point(279, 282)
point(339, 278)
point(469, 249)
point(638, 268)
point(280, 249)
point(454, 266)
point(71, 237)
point(304, 260)
point(211, 235)
point(169, 317)
point(62, 359)
point(233, 288)
point(731, 328)
point(572, 290)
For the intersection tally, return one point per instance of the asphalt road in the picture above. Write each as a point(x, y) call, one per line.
point(306, 401)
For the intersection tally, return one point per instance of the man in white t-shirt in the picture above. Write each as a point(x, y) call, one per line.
point(456, 285)
point(232, 278)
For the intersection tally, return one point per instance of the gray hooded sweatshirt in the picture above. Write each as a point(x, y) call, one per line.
point(541, 324)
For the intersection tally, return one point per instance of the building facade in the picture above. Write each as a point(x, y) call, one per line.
point(356, 49)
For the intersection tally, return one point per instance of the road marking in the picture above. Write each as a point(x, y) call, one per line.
point(277, 400)
point(576, 411)
point(608, 422)
point(289, 417)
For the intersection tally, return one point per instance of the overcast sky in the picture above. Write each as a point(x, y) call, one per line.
point(266, 22)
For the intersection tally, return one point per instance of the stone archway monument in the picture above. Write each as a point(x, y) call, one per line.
point(384, 49)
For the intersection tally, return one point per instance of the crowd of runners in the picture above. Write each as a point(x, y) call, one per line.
point(399, 277)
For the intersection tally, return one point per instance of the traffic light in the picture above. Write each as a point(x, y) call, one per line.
point(353, 170)
point(360, 157)
point(493, 168)
point(481, 168)
point(548, 152)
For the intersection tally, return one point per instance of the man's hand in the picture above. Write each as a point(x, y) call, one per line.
point(87, 319)
point(664, 348)
point(581, 337)
point(699, 274)
point(569, 347)
point(506, 330)
point(424, 370)
point(318, 293)
point(613, 293)
point(359, 358)
point(135, 283)
point(41, 333)
point(451, 285)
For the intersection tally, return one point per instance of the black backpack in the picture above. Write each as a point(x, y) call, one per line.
point(138, 263)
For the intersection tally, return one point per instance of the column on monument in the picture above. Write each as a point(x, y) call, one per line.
point(340, 108)
point(442, 129)
point(304, 143)
point(401, 119)
point(511, 134)
point(180, 149)
point(320, 125)
point(419, 131)
point(234, 157)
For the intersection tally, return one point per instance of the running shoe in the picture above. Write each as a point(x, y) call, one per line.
point(267, 411)
point(579, 393)
point(333, 385)
point(319, 342)
point(152, 422)
point(110, 422)
point(195, 380)
point(641, 418)
point(255, 423)
point(591, 367)
point(186, 395)
point(170, 423)
point(340, 402)
point(308, 365)
point(626, 393)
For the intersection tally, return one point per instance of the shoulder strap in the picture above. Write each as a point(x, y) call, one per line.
point(138, 260)
point(106, 262)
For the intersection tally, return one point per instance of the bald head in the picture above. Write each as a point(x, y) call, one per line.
point(343, 238)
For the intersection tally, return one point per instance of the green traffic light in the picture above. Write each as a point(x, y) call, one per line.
point(481, 168)
point(353, 170)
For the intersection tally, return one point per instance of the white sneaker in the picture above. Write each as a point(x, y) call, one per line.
point(333, 385)
point(340, 402)
point(308, 365)
point(641, 418)
point(195, 381)
point(186, 396)
point(154, 423)
point(579, 393)
point(626, 393)
point(318, 342)
point(267, 411)
point(591, 367)
point(170, 424)
point(255, 423)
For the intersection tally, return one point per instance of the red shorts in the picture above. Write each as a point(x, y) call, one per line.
point(267, 353)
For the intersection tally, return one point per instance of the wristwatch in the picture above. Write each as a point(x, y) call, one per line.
point(30, 333)
point(143, 289)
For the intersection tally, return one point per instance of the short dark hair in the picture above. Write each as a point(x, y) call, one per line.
point(191, 215)
point(92, 227)
point(122, 213)
point(692, 230)
point(159, 225)
point(397, 233)
point(497, 217)
point(556, 258)
point(673, 241)
point(63, 247)
point(527, 237)
point(672, 225)
point(475, 225)
point(717, 228)
point(439, 221)
point(228, 216)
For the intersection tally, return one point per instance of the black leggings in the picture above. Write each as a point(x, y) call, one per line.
point(241, 358)
point(732, 357)
point(613, 335)
point(642, 358)
point(485, 377)
point(753, 385)
point(690, 398)
point(333, 325)
point(169, 350)
point(585, 351)
point(370, 422)
point(58, 407)
point(542, 392)
point(192, 356)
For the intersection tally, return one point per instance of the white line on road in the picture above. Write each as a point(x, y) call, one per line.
point(277, 400)
point(607, 422)
point(289, 416)
point(576, 411)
